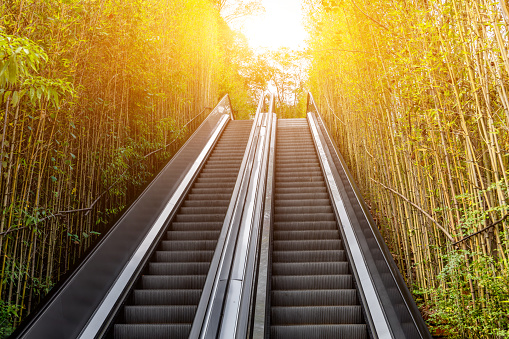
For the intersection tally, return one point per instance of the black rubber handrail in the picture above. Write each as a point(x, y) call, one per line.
point(72, 304)
point(400, 309)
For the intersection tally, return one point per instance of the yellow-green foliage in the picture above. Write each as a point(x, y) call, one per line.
point(416, 93)
point(88, 90)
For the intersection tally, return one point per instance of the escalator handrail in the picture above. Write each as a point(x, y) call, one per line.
point(208, 315)
point(212, 288)
point(417, 325)
point(238, 306)
point(261, 298)
point(70, 307)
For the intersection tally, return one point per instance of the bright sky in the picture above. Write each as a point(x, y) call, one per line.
point(280, 25)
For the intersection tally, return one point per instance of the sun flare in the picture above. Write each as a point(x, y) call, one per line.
point(280, 26)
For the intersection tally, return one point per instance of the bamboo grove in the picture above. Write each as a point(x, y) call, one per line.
point(95, 96)
point(416, 93)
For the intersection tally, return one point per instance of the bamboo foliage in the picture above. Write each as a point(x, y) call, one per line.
point(416, 93)
point(92, 93)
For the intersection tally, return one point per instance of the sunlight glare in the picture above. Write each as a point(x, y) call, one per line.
point(280, 26)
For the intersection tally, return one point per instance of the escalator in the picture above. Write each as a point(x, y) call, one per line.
point(164, 302)
point(313, 294)
point(254, 229)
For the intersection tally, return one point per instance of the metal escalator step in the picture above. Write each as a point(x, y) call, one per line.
point(302, 178)
point(218, 196)
point(166, 297)
point(312, 282)
point(221, 171)
point(199, 217)
point(192, 235)
point(157, 282)
point(197, 226)
point(305, 216)
point(219, 179)
point(321, 268)
point(178, 268)
point(304, 184)
point(345, 331)
point(188, 245)
point(152, 331)
point(183, 256)
point(295, 196)
point(294, 315)
point(302, 168)
point(203, 210)
point(159, 314)
point(232, 175)
point(307, 245)
point(305, 226)
point(289, 163)
point(314, 297)
point(303, 209)
point(306, 235)
point(213, 184)
point(205, 203)
point(308, 256)
point(298, 190)
point(300, 202)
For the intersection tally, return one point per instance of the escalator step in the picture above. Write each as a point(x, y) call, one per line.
point(157, 282)
point(306, 228)
point(183, 256)
point(193, 235)
point(305, 216)
point(178, 268)
point(316, 315)
point(303, 209)
point(202, 210)
point(159, 314)
point(166, 297)
point(350, 331)
point(190, 245)
point(307, 245)
point(306, 231)
point(308, 256)
point(312, 282)
point(205, 203)
point(295, 196)
point(152, 331)
point(199, 217)
point(314, 297)
point(197, 226)
point(314, 268)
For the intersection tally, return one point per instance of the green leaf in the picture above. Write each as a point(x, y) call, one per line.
point(53, 178)
point(15, 98)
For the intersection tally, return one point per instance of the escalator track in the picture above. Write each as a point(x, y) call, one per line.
point(164, 301)
point(313, 293)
